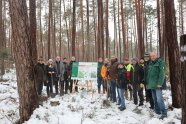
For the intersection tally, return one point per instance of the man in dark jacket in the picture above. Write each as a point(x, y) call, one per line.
point(65, 82)
point(121, 83)
point(113, 73)
point(155, 79)
point(147, 91)
point(57, 66)
point(40, 75)
point(138, 77)
point(99, 77)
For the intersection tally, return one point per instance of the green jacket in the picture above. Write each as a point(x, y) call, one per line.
point(156, 73)
point(99, 69)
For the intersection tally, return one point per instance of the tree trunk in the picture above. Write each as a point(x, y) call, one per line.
point(49, 27)
point(74, 28)
point(115, 28)
point(125, 51)
point(1, 39)
point(107, 28)
point(32, 17)
point(95, 32)
point(41, 38)
point(82, 29)
point(173, 51)
point(88, 38)
point(183, 75)
point(139, 28)
point(22, 47)
point(100, 35)
point(66, 26)
point(60, 44)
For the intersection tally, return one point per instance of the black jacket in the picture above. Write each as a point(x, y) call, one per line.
point(122, 78)
point(65, 70)
point(40, 73)
point(51, 69)
point(138, 74)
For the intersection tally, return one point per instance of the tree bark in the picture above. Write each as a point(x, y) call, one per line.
point(74, 28)
point(88, 37)
point(22, 47)
point(173, 51)
point(183, 79)
point(49, 27)
point(1, 40)
point(139, 28)
point(82, 29)
point(100, 34)
point(33, 26)
point(125, 53)
point(107, 28)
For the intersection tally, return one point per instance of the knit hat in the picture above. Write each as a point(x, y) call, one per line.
point(121, 63)
point(147, 54)
point(135, 59)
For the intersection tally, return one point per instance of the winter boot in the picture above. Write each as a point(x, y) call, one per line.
point(99, 90)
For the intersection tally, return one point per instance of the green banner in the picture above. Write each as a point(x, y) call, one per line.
point(84, 71)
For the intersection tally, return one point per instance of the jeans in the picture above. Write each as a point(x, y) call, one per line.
point(49, 89)
point(159, 102)
point(100, 81)
point(119, 99)
point(113, 90)
point(122, 98)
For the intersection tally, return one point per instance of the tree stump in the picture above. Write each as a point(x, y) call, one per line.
point(54, 103)
point(183, 76)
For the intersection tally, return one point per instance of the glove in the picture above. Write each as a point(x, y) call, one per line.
point(141, 85)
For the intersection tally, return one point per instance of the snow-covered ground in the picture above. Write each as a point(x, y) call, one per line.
point(80, 108)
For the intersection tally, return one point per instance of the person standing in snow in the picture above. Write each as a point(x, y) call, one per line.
point(99, 78)
point(138, 77)
point(113, 77)
point(51, 74)
point(121, 83)
point(40, 75)
point(59, 71)
point(129, 77)
point(155, 79)
point(73, 59)
point(106, 78)
point(148, 92)
point(64, 80)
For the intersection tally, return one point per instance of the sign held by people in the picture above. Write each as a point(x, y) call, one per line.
point(84, 71)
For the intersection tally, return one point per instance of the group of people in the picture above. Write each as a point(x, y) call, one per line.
point(129, 80)
point(55, 73)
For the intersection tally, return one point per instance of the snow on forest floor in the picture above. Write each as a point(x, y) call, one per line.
point(79, 108)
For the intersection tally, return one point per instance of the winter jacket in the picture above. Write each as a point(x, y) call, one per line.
point(100, 64)
point(40, 73)
point(146, 66)
point(104, 72)
point(70, 68)
point(129, 74)
point(60, 69)
point(156, 73)
point(51, 68)
point(65, 70)
point(122, 78)
point(113, 71)
point(138, 74)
